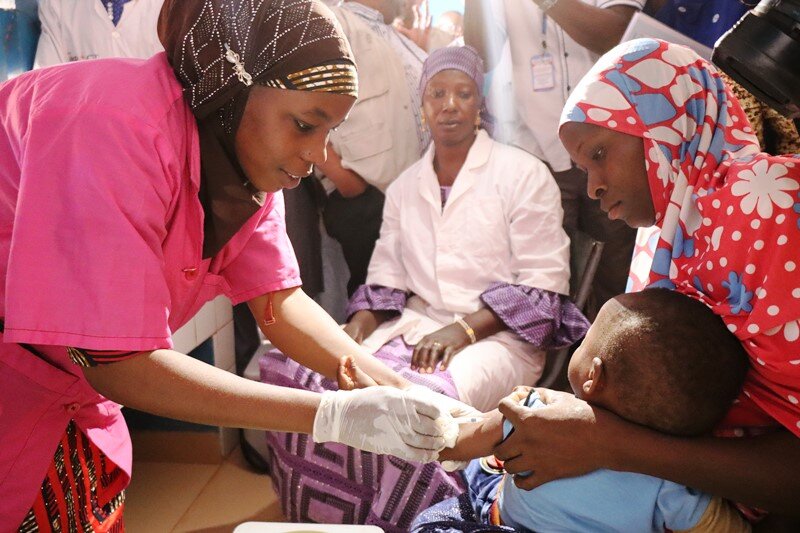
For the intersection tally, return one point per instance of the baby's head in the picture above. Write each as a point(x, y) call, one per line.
point(660, 359)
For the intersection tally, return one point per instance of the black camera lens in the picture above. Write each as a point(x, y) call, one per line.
point(762, 53)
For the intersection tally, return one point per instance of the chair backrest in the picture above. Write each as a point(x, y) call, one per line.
point(584, 256)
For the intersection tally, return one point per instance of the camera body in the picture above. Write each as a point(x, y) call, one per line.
point(762, 52)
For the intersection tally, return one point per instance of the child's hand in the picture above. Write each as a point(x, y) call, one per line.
point(350, 376)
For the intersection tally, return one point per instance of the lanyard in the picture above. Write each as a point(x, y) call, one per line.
point(544, 32)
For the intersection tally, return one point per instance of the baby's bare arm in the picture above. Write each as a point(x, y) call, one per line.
point(476, 439)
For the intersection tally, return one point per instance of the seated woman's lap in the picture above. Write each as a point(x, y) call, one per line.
point(485, 372)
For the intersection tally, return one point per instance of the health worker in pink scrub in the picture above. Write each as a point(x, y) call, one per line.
point(131, 193)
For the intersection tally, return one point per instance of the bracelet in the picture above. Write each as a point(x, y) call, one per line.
point(470, 332)
point(545, 5)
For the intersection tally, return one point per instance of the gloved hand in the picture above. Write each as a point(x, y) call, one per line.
point(457, 409)
point(383, 420)
point(460, 411)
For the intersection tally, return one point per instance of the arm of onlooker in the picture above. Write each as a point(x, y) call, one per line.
point(369, 307)
point(596, 28)
point(420, 31)
point(569, 437)
point(534, 304)
point(50, 50)
point(539, 244)
point(348, 183)
point(306, 333)
point(544, 318)
point(484, 29)
point(371, 146)
point(364, 323)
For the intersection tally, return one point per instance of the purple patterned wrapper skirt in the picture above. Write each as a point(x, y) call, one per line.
point(333, 483)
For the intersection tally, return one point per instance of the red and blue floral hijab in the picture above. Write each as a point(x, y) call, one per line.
point(727, 213)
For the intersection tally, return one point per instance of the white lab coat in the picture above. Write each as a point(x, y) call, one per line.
point(73, 30)
point(502, 222)
point(526, 28)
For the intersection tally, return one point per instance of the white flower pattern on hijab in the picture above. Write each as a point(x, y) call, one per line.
point(765, 185)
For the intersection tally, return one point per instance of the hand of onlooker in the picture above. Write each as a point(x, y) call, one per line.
point(350, 376)
point(361, 325)
point(420, 31)
point(560, 440)
point(347, 182)
point(441, 345)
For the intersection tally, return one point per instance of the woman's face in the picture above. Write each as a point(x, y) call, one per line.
point(451, 105)
point(284, 133)
point(615, 165)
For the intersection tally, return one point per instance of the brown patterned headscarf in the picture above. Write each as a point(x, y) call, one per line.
point(218, 50)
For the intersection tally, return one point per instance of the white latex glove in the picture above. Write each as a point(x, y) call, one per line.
point(383, 420)
point(460, 411)
point(453, 466)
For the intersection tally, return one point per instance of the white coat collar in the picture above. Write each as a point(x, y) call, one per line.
point(477, 157)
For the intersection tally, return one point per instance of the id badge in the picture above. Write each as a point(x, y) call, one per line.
point(543, 72)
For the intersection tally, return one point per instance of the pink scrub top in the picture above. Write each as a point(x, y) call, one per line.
point(101, 234)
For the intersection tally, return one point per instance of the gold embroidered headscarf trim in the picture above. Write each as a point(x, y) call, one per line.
point(340, 78)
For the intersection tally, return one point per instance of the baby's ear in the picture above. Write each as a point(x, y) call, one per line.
point(597, 380)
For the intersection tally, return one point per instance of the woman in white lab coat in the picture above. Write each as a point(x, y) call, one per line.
point(73, 30)
point(472, 256)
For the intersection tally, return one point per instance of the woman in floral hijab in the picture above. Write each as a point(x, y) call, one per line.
point(665, 142)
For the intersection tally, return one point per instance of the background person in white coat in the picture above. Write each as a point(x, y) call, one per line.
point(73, 30)
point(472, 255)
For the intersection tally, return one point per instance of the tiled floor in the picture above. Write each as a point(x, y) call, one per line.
point(198, 497)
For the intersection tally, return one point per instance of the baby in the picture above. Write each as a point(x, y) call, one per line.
point(656, 358)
